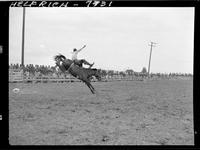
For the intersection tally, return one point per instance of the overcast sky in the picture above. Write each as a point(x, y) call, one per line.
point(115, 38)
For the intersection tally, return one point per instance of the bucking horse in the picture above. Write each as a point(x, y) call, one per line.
point(79, 72)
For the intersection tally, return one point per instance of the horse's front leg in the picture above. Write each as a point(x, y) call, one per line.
point(90, 87)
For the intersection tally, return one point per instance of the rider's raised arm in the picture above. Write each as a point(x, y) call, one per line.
point(81, 48)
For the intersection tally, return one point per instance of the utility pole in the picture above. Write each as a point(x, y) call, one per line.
point(152, 44)
point(23, 34)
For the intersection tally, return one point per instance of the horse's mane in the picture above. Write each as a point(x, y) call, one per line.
point(59, 56)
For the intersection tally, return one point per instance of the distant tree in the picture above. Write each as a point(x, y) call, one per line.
point(122, 73)
point(37, 68)
point(103, 72)
point(53, 69)
point(110, 72)
point(116, 72)
point(44, 70)
point(144, 70)
point(158, 74)
point(129, 72)
point(30, 68)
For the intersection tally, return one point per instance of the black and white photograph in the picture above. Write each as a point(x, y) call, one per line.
point(101, 75)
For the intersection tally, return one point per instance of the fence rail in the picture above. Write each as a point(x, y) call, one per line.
point(51, 80)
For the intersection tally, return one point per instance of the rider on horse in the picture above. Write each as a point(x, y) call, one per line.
point(79, 62)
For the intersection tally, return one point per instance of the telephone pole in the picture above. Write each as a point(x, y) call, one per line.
point(152, 44)
point(23, 34)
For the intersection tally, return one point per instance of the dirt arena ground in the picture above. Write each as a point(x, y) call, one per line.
point(122, 113)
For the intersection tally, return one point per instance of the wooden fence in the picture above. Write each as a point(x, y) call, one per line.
point(50, 79)
point(15, 75)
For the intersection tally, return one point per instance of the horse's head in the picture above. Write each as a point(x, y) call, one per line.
point(59, 57)
point(62, 61)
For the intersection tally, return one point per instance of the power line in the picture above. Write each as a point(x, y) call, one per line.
point(152, 44)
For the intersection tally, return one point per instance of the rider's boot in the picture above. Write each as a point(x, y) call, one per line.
point(91, 65)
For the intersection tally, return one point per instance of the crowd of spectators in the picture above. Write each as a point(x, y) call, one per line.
point(31, 70)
